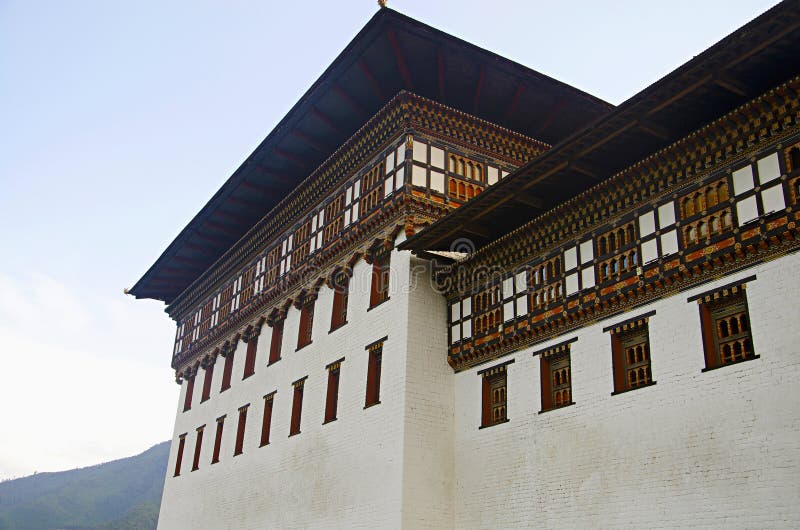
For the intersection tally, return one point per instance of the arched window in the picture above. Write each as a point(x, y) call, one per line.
point(714, 222)
point(726, 220)
point(699, 202)
point(723, 329)
point(702, 230)
point(711, 197)
point(620, 238)
point(794, 158)
point(601, 245)
point(722, 192)
point(688, 207)
point(630, 234)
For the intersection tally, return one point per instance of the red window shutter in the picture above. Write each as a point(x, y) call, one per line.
point(240, 431)
point(267, 421)
point(707, 327)
point(187, 401)
point(217, 440)
point(486, 402)
point(198, 444)
point(250, 360)
point(618, 364)
point(547, 394)
point(374, 377)
point(297, 407)
point(209, 375)
point(340, 295)
point(179, 459)
point(275, 345)
point(332, 399)
point(306, 324)
point(227, 372)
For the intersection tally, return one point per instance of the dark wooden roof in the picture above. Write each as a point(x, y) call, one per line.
point(391, 53)
point(748, 62)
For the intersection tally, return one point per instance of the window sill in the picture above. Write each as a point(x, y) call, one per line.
point(221, 390)
point(557, 408)
point(370, 308)
point(245, 376)
point(214, 462)
point(237, 454)
point(293, 434)
point(753, 358)
point(372, 404)
point(329, 421)
point(337, 326)
point(264, 444)
point(270, 363)
point(632, 389)
point(301, 346)
point(203, 400)
point(493, 424)
point(194, 469)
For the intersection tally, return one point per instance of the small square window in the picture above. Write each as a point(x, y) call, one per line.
point(725, 323)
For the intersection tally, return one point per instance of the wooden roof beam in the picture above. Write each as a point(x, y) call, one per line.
point(252, 206)
point(656, 130)
point(376, 87)
point(512, 106)
point(477, 98)
point(731, 85)
point(237, 219)
point(311, 141)
point(283, 178)
point(555, 110)
point(354, 106)
point(584, 170)
point(290, 157)
point(222, 228)
point(324, 118)
point(530, 201)
point(399, 59)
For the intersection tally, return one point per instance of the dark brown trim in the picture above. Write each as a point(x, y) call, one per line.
point(481, 372)
point(629, 320)
point(737, 283)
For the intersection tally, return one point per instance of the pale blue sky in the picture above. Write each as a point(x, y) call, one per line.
point(120, 120)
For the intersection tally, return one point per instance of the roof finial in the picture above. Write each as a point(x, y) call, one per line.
point(382, 3)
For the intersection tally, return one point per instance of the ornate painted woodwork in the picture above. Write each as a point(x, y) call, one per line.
point(718, 200)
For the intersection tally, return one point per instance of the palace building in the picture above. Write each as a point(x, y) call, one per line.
point(448, 291)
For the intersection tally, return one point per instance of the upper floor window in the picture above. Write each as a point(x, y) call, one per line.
point(179, 457)
point(725, 323)
point(297, 406)
point(277, 341)
point(373, 394)
point(187, 398)
point(494, 398)
point(754, 200)
point(250, 358)
point(341, 286)
point(208, 377)
point(556, 376)
point(630, 354)
point(306, 323)
point(379, 292)
point(240, 430)
point(332, 397)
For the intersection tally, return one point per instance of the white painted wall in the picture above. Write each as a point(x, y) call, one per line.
point(345, 474)
point(718, 448)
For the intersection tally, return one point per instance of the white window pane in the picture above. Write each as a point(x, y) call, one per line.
point(312, 245)
point(289, 262)
point(357, 189)
point(399, 178)
point(521, 281)
point(742, 180)
point(503, 174)
point(437, 157)
point(355, 211)
point(348, 195)
point(400, 155)
point(649, 251)
point(419, 176)
point(768, 168)
point(467, 306)
point(508, 288)
point(666, 215)
point(388, 187)
point(587, 254)
point(467, 329)
point(283, 247)
point(669, 243)
point(492, 175)
point(508, 310)
point(572, 283)
point(570, 258)
point(455, 312)
point(314, 223)
point(587, 278)
point(389, 163)
point(455, 334)
point(746, 210)
point(347, 218)
point(647, 224)
point(420, 152)
point(437, 181)
point(321, 218)
point(522, 306)
point(773, 199)
point(319, 240)
point(291, 241)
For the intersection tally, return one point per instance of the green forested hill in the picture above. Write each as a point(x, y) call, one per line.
point(123, 494)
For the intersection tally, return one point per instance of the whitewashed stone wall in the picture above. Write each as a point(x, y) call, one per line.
point(715, 449)
point(344, 474)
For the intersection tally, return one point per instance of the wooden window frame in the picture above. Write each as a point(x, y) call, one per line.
point(277, 341)
point(227, 372)
point(723, 304)
point(332, 394)
point(552, 362)
point(306, 326)
point(187, 398)
point(297, 406)
point(250, 358)
point(240, 430)
point(266, 419)
point(494, 395)
point(341, 295)
point(179, 456)
point(218, 439)
point(208, 377)
point(631, 334)
point(381, 273)
point(198, 444)
point(375, 360)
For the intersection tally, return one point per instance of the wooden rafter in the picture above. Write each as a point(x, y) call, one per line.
point(399, 59)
